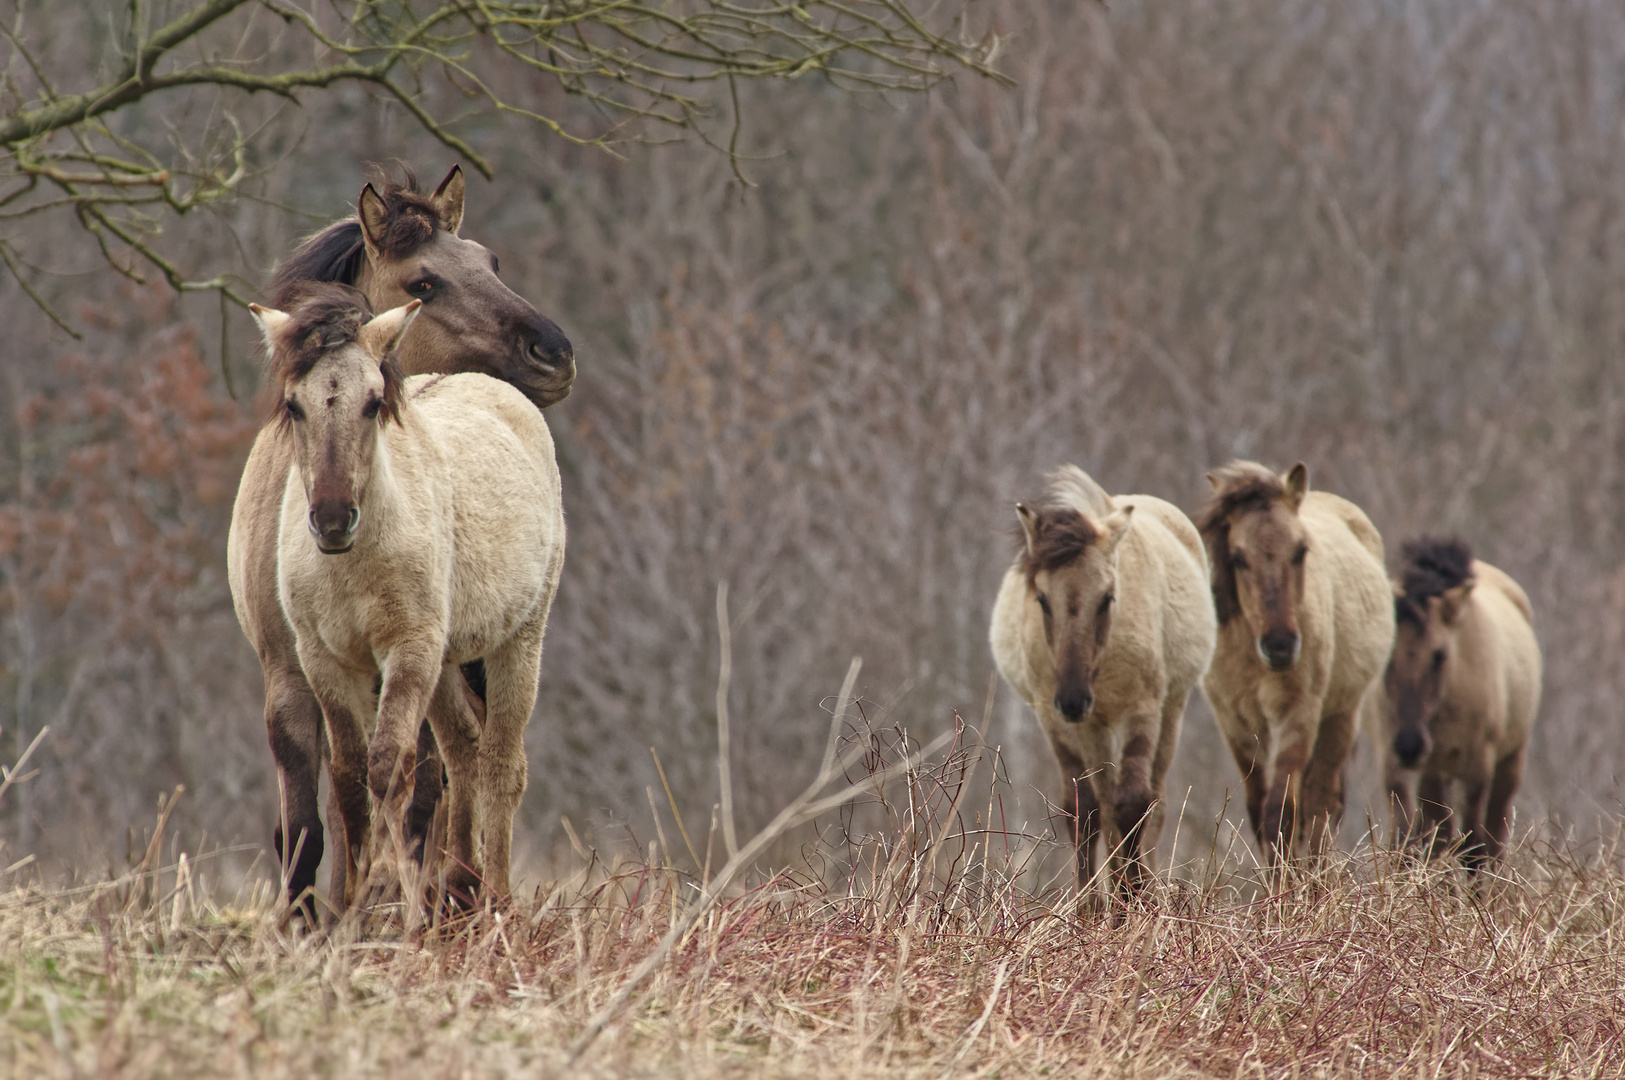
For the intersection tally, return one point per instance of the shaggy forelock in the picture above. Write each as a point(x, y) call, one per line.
point(328, 316)
point(1060, 536)
point(1430, 566)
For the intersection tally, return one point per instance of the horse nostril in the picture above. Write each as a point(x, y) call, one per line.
point(1074, 704)
point(353, 519)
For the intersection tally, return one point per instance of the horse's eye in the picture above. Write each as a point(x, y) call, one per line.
point(1238, 560)
point(496, 265)
point(1043, 603)
point(293, 409)
point(370, 409)
point(1298, 555)
point(1106, 603)
point(1438, 659)
point(422, 287)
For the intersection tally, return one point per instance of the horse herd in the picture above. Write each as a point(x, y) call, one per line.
point(1276, 599)
point(398, 538)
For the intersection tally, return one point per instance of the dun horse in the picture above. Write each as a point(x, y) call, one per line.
point(402, 245)
point(1103, 626)
point(420, 528)
point(1463, 688)
point(1306, 624)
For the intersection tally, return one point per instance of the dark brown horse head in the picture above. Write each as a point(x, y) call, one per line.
point(403, 245)
point(1435, 581)
point(332, 361)
point(1070, 563)
point(1258, 547)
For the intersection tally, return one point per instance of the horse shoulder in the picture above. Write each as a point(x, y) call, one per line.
point(1012, 640)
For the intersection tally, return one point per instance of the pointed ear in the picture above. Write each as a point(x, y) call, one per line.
point(1116, 527)
point(372, 213)
point(380, 336)
point(448, 199)
point(1214, 480)
point(1297, 484)
point(1029, 525)
point(271, 320)
point(1453, 601)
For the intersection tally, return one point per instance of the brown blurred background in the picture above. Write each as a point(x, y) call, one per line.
point(1385, 239)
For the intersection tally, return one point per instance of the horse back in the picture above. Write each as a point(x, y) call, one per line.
point(1504, 607)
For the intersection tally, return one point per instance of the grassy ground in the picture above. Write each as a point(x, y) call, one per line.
point(1372, 967)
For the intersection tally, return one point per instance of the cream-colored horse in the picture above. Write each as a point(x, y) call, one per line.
point(1463, 688)
point(1104, 627)
point(421, 527)
point(1306, 623)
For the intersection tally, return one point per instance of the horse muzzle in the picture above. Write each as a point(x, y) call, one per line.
point(549, 366)
point(334, 528)
point(1279, 649)
point(1075, 703)
point(1410, 746)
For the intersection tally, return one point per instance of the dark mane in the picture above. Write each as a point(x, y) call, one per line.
point(1430, 566)
point(1060, 535)
point(326, 316)
point(1240, 485)
point(337, 252)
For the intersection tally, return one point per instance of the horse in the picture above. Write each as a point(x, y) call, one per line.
point(1306, 625)
point(402, 245)
point(1462, 691)
point(420, 528)
point(1102, 625)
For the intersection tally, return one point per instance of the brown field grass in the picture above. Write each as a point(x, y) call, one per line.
point(912, 942)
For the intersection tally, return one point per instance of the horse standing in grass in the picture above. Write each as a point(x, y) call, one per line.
point(1462, 688)
point(1306, 625)
point(420, 528)
point(1104, 627)
point(403, 244)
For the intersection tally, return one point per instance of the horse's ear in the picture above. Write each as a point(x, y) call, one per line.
point(1297, 484)
point(1029, 525)
point(1453, 601)
point(372, 213)
point(1116, 527)
point(271, 320)
point(448, 199)
point(380, 336)
point(1214, 480)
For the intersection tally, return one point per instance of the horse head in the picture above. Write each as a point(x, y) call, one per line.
point(1258, 548)
point(1429, 598)
point(340, 385)
point(404, 245)
point(1070, 563)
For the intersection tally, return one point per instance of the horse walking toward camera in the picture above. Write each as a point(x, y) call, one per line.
point(1306, 624)
point(420, 528)
point(402, 244)
point(1462, 689)
point(1104, 627)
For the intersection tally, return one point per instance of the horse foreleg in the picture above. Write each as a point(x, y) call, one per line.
point(343, 701)
point(1438, 824)
point(1498, 808)
point(1133, 801)
point(1244, 748)
point(1281, 803)
point(1322, 788)
point(428, 784)
point(293, 722)
point(1080, 810)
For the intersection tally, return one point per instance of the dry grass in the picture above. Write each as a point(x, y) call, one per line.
point(909, 952)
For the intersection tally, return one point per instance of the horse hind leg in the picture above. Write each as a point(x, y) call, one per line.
point(428, 784)
point(1498, 807)
point(457, 730)
point(511, 674)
